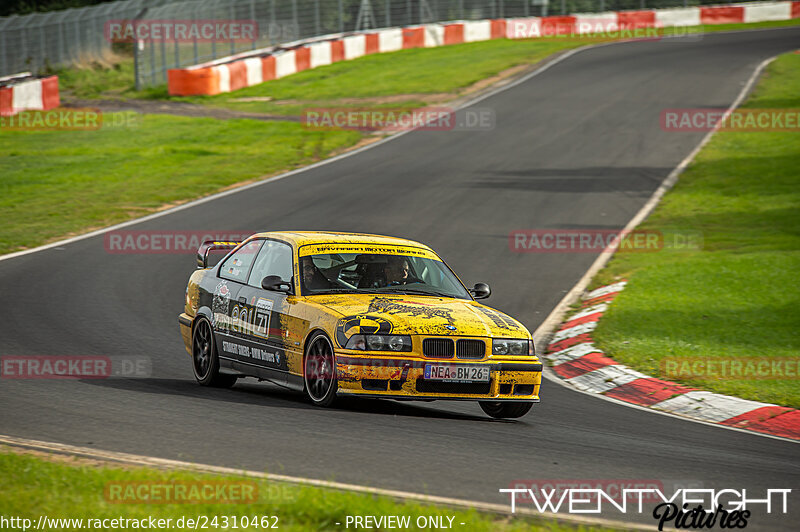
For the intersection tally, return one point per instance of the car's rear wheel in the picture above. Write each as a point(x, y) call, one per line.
point(319, 370)
point(505, 410)
point(204, 358)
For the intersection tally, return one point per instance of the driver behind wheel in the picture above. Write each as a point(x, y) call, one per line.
point(313, 279)
point(397, 271)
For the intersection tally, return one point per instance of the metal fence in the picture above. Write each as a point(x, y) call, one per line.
point(42, 41)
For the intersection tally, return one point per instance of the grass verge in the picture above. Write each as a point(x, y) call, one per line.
point(55, 183)
point(737, 296)
point(31, 487)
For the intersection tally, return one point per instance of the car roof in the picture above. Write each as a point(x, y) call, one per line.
point(302, 238)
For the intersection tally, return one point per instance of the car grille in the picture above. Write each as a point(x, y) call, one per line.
point(467, 388)
point(470, 348)
point(438, 347)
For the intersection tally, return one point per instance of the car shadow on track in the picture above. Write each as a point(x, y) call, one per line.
point(269, 395)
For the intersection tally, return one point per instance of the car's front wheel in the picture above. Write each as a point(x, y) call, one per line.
point(505, 410)
point(204, 358)
point(319, 370)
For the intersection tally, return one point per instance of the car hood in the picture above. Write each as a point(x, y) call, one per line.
point(409, 314)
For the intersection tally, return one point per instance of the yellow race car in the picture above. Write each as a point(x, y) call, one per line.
point(336, 314)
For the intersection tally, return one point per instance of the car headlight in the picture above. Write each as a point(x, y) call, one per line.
point(379, 342)
point(503, 346)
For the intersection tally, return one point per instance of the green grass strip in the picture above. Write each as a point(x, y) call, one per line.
point(55, 183)
point(31, 487)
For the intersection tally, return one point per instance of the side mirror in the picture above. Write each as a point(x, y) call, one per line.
point(481, 291)
point(275, 284)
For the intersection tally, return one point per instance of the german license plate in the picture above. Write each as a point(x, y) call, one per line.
point(455, 373)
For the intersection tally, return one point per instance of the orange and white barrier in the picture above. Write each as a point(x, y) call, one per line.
point(235, 72)
point(23, 92)
point(767, 12)
point(689, 16)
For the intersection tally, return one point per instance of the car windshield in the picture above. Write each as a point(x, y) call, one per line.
point(378, 273)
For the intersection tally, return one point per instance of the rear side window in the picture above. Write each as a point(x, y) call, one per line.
point(237, 266)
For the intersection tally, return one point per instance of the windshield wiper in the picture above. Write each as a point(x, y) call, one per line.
point(411, 291)
point(333, 291)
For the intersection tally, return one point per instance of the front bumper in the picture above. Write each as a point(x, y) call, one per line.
point(509, 380)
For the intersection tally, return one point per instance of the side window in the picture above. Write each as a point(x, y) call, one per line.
point(275, 258)
point(237, 266)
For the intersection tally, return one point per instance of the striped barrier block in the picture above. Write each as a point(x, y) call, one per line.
point(678, 17)
point(434, 35)
point(722, 14)
point(636, 19)
point(413, 38)
point(302, 58)
point(477, 30)
point(321, 54)
point(497, 28)
point(551, 26)
point(390, 40)
point(285, 64)
point(453, 34)
point(255, 70)
point(24, 92)
point(768, 12)
point(354, 46)
point(596, 23)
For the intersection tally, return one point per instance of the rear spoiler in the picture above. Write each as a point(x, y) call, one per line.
point(208, 246)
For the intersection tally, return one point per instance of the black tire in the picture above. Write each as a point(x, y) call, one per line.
point(505, 410)
point(205, 362)
point(319, 370)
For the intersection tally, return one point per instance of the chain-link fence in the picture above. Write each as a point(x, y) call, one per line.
point(41, 41)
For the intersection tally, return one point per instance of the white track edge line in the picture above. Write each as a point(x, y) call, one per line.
point(545, 330)
point(165, 463)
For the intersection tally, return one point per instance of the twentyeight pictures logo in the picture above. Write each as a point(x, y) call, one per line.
point(682, 508)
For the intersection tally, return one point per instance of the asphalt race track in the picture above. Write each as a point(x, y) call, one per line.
point(579, 146)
